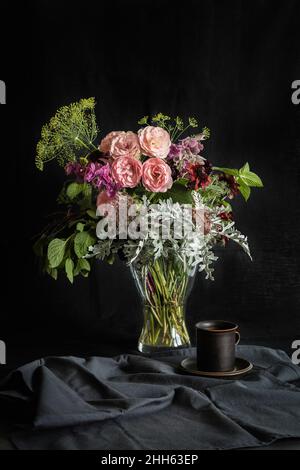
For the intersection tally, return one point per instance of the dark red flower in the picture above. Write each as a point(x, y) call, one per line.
point(233, 186)
point(226, 216)
point(198, 176)
point(208, 167)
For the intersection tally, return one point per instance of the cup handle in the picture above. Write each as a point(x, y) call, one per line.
point(237, 337)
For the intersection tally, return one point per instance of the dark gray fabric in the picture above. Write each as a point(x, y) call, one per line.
point(136, 402)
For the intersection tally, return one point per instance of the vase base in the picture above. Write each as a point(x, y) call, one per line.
point(150, 349)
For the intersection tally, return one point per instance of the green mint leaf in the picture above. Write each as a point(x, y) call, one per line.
point(82, 242)
point(227, 171)
point(84, 265)
point(69, 267)
point(244, 169)
point(251, 179)
point(52, 272)
point(91, 213)
point(245, 191)
point(56, 252)
point(80, 227)
point(74, 189)
point(183, 181)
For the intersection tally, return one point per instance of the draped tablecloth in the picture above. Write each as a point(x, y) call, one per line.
point(135, 402)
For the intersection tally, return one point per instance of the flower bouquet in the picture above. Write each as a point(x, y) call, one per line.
point(150, 198)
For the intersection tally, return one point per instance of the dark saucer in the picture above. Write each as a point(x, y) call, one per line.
point(242, 366)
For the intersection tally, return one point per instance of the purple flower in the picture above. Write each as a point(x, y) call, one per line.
point(89, 172)
point(75, 169)
point(193, 145)
point(175, 152)
point(103, 179)
point(70, 168)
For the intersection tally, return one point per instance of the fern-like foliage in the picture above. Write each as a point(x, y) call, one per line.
point(70, 132)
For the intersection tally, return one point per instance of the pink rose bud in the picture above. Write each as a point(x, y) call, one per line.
point(127, 171)
point(126, 144)
point(154, 141)
point(157, 175)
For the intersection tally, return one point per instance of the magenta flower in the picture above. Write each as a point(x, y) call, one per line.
point(89, 173)
point(103, 180)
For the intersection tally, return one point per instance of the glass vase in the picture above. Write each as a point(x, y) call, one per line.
point(164, 285)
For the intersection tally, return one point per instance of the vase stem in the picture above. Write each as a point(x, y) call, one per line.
point(164, 286)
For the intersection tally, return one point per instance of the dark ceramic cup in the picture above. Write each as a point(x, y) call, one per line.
point(216, 341)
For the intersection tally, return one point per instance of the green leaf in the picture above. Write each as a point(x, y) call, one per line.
point(251, 179)
point(69, 267)
point(82, 242)
point(56, 252)
point(83, 265)
point(80, 227)
point(245, 168)
point(91, 213)
point(227, 171)
point(183, 181)
point(87, 190)
point(178, 193)
point(110, 259)
point(226, 204)
point(52, 272)
point(74, 189)
point(245, 191)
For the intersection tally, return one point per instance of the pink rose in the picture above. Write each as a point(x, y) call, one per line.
point(126, 144)
point(157, 175)
point(105, 143)
point(126, 171)
point(154, 141)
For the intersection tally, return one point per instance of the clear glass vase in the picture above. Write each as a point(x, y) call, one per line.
point(164, 285)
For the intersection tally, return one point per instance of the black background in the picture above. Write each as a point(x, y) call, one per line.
point(231, 64)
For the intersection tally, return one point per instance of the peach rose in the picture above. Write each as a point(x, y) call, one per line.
point(157, 175)
point(154, 141)
point(126, 171)
point(126, 144)
point(105, 143)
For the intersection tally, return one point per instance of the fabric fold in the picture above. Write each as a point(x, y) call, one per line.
point(132, 402)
